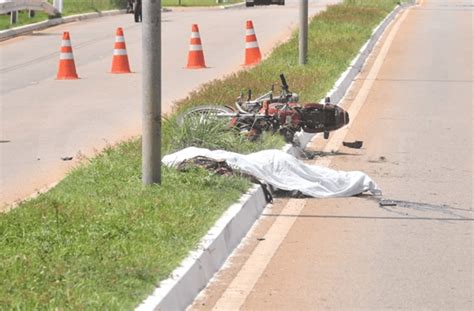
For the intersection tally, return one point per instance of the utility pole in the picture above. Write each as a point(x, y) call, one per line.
point(58, 4)
point(151, 93)
point(303, 35)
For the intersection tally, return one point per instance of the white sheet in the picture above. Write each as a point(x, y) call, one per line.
point(286, 172)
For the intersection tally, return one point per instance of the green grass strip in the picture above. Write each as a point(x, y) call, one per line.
point(101, 240)
point(191, 3)
point(22, 19)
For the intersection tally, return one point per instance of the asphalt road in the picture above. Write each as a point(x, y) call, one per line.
point(351, 253)
point(43, 119)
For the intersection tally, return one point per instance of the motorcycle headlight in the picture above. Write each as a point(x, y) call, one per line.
point(294, 98)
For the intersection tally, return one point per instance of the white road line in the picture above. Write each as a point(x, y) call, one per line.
point(241, 286)
point(235, 295)
point(338, 137)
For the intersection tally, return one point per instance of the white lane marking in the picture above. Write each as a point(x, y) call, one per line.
point(237, 292)
point(235, 295)
point(337, 138)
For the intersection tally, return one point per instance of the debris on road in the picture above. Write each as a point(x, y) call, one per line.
point(381, 159)
point(387, 203)
point(355, 145)
point(66, 158)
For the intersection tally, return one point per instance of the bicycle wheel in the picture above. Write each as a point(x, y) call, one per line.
point(203, 114)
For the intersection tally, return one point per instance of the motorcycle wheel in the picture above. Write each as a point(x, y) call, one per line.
point(202, 114)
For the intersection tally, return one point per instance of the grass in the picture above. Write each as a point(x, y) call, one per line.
point(197, 2)
point(214, 135)
point(22, 19)
point(72, 7)
point(101, 240)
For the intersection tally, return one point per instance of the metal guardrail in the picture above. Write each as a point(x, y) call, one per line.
point(34, 5)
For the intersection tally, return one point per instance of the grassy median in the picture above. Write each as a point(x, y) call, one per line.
point(100, 240)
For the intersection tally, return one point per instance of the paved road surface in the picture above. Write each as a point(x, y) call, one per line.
point(43, 119)
point(352, 254)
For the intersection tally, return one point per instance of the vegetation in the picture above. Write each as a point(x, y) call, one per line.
point(22, 19)
point(197, 2)
point(101, 240)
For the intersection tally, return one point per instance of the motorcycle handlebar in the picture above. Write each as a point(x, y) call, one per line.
point(283, 82)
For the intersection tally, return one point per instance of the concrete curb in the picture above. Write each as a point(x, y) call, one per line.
point(233, 6)
point(17, 31)
point(10, 33)
point(193, 274)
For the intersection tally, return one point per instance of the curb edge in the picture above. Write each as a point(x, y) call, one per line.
point(194, 272)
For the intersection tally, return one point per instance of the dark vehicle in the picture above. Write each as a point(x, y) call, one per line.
point(268, 113)
point(137, 10)
point(129, 8)
point(249, 3)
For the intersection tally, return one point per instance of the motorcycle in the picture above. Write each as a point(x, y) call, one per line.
point(281, 113)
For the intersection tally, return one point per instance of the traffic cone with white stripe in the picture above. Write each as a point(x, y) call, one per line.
point(195, 55)
point(252, 52)
point(67, 67)
point(120, 60)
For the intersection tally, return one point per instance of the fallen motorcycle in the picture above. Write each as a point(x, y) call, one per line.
point(281, 113)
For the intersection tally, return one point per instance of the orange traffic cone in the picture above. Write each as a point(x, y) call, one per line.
point(195, 55)
point(67, 68)
point(252, 52)
point(120, 60)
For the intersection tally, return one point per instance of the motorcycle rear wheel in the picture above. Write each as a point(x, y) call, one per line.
point(202, 114)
